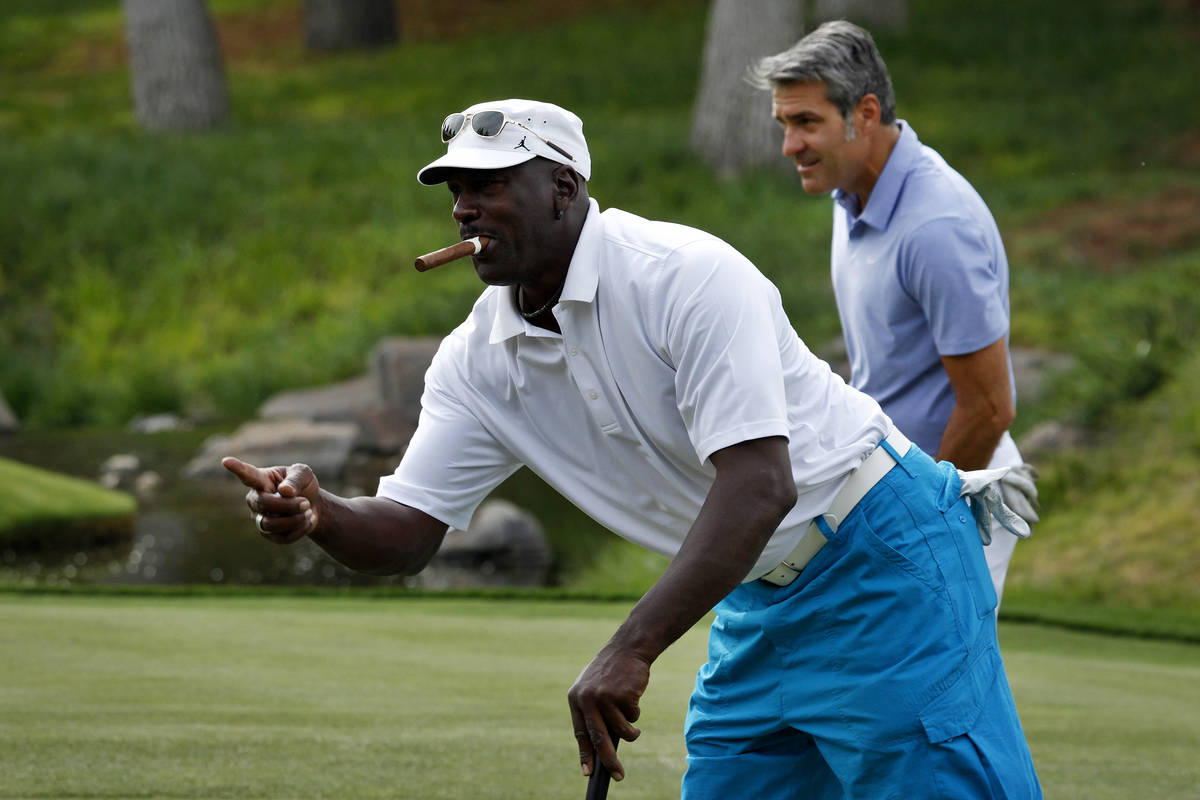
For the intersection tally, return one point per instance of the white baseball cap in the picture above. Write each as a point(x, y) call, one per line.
point(504, 133)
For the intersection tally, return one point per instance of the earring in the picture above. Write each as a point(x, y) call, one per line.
point(558, 213)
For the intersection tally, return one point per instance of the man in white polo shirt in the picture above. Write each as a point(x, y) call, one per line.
point(647, 371)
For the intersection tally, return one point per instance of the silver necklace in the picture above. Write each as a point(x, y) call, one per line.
point(532, 315)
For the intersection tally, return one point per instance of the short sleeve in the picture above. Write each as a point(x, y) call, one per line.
point(721, 334)
point(452, 462)
point(950, 270)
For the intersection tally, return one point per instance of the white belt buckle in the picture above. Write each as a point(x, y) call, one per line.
point(810, 544)
point(861, 481)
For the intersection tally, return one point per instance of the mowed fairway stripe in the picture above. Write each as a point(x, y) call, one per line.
point(423, 698)
point(273, 697)
point(1107, 717)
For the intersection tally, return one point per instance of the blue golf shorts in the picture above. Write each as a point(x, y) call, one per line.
point(876, 674)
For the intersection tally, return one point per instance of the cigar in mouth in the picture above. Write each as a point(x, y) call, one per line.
point(467, 247)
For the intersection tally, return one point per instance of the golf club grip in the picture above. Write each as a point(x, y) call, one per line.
point(597, 788)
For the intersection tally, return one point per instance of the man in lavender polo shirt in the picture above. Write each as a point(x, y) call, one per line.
point(919, 270)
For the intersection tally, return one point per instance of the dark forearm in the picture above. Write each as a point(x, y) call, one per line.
point(375, 535)
point(970, 439)
point(752, 492)
point(745, 505)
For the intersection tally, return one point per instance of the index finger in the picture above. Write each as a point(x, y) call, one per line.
point(603, 739)
point(598, 784)
point(250, 475)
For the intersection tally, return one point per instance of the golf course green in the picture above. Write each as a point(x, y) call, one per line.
point(424, 698)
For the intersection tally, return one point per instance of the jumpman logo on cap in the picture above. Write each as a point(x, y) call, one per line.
point(521, 144)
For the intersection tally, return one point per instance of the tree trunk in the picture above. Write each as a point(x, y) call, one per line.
point(8, 420)
point(732, 128)
point(871, 14)
point(349, 24)
point(175, 65)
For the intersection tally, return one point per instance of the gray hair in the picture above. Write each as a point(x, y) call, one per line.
point(840, 55)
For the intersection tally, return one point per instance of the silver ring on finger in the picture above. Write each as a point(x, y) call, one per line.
point(258, 521)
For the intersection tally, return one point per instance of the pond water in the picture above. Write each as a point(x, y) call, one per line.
point(186, 531)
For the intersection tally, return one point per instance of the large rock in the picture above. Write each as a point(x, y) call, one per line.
point(1032, 370)
point(397, 366)
point(324, 446)
point(321, 426)
point(503, 546)
point(8, 420)
point(385, 403)
point(357, 402)
point(1050, 437)
point(337, 402)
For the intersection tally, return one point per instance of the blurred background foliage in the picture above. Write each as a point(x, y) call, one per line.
point(199, 273)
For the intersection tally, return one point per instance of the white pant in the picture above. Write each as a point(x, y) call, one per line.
point(1000, 552)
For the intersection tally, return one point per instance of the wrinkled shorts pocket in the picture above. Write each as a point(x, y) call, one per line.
point(977, 747)
point(958, 705)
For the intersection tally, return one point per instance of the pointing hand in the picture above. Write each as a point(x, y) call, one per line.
point(283, 500)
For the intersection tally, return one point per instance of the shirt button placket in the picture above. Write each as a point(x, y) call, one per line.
point(592, 394)
point(588, 382)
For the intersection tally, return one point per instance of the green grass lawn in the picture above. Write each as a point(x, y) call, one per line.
point(37, 496)
point(256, 697)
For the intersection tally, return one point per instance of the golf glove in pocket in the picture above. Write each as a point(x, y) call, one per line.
point(982, 488)
point(1020, 492)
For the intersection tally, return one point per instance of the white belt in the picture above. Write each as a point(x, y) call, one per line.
point(876, 465)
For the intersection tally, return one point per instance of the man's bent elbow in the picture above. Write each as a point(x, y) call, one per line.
point(414, 558)
point(1003, 419)
point(768, 495)
point(781, 492)
point(407, 564)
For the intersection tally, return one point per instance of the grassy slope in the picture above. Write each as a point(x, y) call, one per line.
point(143, 273)
point(34, 495)
point(1120, 527)
point(143, 263)
point(257, 697)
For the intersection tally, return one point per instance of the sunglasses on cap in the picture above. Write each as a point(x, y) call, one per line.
point(488, 124)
